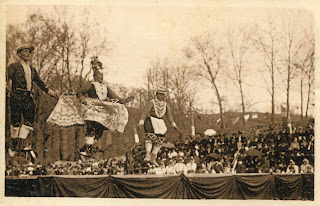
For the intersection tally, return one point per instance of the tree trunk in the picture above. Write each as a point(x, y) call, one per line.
point(220, 106)
point(272, 90)
point(288, 94)
point(301, 96)
point(308, 99)
point(242, 104)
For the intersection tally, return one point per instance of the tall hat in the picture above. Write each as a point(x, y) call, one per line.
point(31, 48)
point(96, 65)
point(161, 89)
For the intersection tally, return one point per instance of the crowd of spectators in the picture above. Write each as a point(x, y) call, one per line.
point(272, 151)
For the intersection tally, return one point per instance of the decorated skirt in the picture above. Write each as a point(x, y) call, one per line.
point(113, 116)
point(69, 111)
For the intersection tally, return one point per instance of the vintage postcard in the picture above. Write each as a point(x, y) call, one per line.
point(123, 102)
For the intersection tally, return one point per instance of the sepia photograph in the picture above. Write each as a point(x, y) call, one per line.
point(158, 100)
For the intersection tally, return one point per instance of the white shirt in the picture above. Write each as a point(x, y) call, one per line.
point(191, 167)
point(27, 72)
point(170, 170)
point(159, 171)
point(101, 90)
point(180, 168)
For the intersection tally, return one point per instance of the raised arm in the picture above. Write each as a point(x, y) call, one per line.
point(39, 82)
point(42, 85)
point(112, 95)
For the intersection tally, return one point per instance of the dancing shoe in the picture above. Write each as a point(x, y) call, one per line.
point(148, 157)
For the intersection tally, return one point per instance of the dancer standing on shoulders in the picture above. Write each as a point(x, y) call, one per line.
point(103, 109)
point(154, 126)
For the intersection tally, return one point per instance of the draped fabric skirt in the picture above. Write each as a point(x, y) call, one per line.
point(69, 112)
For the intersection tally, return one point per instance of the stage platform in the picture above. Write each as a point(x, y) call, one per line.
point(193, 186)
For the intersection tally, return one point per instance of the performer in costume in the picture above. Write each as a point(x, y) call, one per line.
point(111, 114)
point(22, 75)
point(154, 126)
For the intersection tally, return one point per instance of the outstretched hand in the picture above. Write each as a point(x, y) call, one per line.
point(53, 94)
point(178, 130)
point(141, 124)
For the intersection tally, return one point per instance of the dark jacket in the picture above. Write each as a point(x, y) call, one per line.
point(15, 72)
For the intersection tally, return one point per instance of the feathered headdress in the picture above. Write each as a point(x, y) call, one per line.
point(96, 65)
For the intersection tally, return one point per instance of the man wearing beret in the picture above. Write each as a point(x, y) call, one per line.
point(22, 76)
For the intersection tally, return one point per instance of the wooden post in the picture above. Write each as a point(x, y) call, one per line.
point(193, 130)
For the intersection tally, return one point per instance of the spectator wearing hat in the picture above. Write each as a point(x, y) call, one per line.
point(292, 167)
point(97, 90)
point(154, 126)
point(306, 167)
point(21, 75)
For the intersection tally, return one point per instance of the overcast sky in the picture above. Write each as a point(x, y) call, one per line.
point(142, 32)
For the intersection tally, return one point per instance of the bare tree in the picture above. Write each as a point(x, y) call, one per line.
point(292, 43)
point(238, 40)
point(180, 83)
point(266, 37)
point(208, 63)
point(309, 70)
